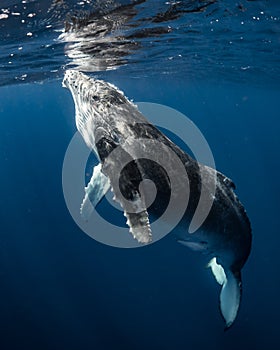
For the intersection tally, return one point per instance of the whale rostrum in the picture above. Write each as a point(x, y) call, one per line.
point(131, 151)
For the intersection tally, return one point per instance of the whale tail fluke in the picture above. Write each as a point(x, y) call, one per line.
point(231, 291)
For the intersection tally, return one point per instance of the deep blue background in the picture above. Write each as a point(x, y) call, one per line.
point(61, 289)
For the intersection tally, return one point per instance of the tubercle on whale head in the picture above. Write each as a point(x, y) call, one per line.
point(91, 88)
point(68, 76)
point(74, 79)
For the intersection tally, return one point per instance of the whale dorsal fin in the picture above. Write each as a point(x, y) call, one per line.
point(230, 293)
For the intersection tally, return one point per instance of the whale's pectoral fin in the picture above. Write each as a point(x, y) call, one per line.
point(139, 226)
point(137, 217)
point(132, 199)
point(230, 293)
point(97, 187)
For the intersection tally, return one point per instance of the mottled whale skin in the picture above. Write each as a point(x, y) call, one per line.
point(106, 119)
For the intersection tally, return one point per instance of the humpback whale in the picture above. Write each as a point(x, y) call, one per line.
point(111, 126)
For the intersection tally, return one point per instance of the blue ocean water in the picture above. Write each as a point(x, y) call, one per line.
point(63, 290)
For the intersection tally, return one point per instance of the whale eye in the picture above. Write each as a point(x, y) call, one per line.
point(94, 98)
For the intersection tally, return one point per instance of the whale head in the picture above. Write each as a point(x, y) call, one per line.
point(91, 98)
point(102, 111)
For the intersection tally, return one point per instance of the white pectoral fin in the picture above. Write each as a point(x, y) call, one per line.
point(139, 226)
point(136, 214)
point(138, 221)
point(230, 293)
point(97, 187)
